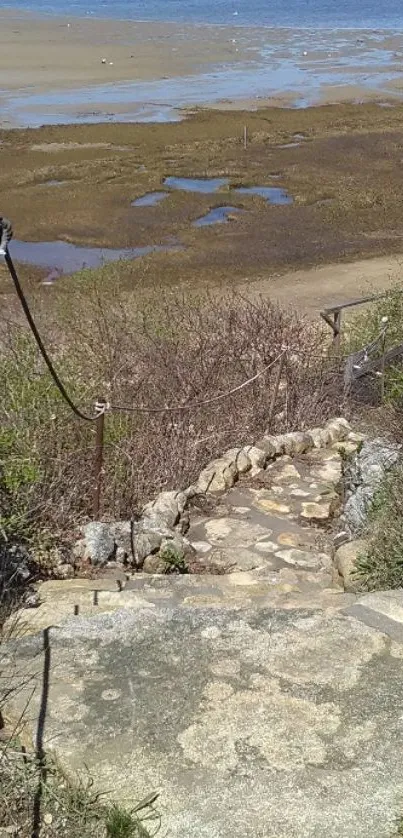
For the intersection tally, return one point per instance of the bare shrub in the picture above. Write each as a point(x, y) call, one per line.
point(176, 352)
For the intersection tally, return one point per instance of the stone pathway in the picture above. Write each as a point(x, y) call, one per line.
point(274, 522)
point(264, 703)
point(270, 535)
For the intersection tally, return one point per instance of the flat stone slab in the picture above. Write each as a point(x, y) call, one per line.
point(382, 610)
point(251, 720)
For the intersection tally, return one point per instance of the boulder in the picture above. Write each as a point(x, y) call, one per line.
point(346, 447)
point(123, 534)
point(154, 564)
point(99, 543)
point(356, 508)
point(363, 477)
point(145, 544)
point(296, 443)
point(167, 507)
point(239, 458)
point(338, 429)
point(375, 459)
point(358, 438)
point(256, 455)
point(217, 477)
point(172, 557)
point(154, 523)
point(178, 546)
point(345, 561)
point(273, 446)
point(320, 437)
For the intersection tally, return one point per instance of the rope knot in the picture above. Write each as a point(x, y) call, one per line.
point(101, 407)
point(6, 234)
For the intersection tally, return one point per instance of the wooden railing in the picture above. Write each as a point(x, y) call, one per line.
point(360, 363)
point(333, 315)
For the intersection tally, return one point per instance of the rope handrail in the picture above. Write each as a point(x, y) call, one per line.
point(6, 234)
point(192, 405)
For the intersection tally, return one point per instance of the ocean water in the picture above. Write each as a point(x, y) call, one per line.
point(311, 14)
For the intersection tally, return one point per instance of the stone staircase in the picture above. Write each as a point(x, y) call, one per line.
point(267, 539)
point(260, 699)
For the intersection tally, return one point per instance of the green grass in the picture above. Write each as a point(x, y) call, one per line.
point(62, 808)
point(367, 325)
point(174, 559)
point(381, 567)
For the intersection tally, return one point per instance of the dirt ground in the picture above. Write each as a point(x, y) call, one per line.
point(344, 174)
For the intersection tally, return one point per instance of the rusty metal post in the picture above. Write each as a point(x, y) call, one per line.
point(99, 457)
point(383, 365)
point(275, 391)
point(337, 329)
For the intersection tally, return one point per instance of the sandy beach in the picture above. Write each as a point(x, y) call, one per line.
point(57, 70)
point(45, 53)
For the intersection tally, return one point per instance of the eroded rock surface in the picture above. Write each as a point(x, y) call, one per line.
point(253, 711)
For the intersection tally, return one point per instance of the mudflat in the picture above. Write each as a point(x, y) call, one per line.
point(314, 186)
point(338, 168)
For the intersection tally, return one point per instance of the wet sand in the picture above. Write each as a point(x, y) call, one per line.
point(51, 53)
point(56, 70)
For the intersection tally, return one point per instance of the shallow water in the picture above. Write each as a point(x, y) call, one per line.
point(315, 13)
point(272, 194)
point(65, 258)
point(204, 186)
point(53, 183)
point(150, 199)
point(218, 215)
point(275, 72)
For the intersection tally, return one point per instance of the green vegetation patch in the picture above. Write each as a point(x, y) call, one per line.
point(381, 567)
point(38, 799)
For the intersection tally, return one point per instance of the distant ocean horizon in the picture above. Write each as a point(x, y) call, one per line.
point(306, 14)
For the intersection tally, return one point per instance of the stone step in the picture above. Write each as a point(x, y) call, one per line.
point(66, 600)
